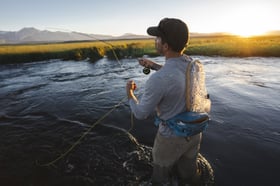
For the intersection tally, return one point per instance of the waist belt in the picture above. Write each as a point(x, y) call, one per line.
point(186, 124)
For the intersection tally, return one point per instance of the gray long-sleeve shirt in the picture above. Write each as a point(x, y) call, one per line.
point(165, 92)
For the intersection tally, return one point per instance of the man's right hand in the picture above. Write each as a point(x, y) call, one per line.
point(145, 62)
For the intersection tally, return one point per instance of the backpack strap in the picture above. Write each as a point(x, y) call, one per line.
point(188, 85)
point(194, 68)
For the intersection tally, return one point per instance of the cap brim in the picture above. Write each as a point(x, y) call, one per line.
point(153, 31)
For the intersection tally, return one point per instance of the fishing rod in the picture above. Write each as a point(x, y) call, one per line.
point(146, 70)
point(90, 36)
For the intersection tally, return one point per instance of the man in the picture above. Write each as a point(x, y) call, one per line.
point(165, 92)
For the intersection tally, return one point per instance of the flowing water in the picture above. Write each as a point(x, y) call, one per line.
point(55, 101)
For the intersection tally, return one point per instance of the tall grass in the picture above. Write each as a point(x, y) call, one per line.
point(233, 46)
point(75, 51)
point(210, 46)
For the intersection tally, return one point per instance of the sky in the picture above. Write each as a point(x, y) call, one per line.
point(118, 17)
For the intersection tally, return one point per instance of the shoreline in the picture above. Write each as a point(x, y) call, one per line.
point(224, 46)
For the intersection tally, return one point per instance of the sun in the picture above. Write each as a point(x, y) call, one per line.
point(247, 29)
point(248, 20)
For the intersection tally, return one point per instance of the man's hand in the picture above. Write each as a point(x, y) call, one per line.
point(130, 87)
point(149, 64)
point(145, 62)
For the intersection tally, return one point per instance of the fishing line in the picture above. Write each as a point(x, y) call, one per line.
point(83, 135)
point(109, 44)
point(95, 38)
point(76, 143)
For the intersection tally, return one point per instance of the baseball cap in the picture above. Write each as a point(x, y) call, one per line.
point(173, 31)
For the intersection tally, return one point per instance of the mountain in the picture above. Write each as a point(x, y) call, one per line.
point(33, 35)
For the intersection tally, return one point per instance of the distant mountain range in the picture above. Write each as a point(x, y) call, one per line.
point(33, 35)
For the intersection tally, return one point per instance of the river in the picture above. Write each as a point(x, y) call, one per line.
point(54, 101)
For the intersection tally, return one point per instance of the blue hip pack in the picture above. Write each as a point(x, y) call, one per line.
point(186, 123)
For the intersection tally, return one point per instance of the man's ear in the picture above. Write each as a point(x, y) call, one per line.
point(165, 46)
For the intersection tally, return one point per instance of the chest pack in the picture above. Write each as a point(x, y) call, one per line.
point(196, 118)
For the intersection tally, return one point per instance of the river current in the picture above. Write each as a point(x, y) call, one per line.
point(56, 100)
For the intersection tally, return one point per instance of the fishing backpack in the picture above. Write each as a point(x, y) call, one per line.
point(196, 118)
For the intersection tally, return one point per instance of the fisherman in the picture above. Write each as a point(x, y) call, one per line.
point(165, 92)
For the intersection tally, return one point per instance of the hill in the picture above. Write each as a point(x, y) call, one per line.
point(33, 35)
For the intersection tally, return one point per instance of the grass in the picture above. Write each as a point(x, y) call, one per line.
point(74, 50)
point(233, 46)
point(210, 46)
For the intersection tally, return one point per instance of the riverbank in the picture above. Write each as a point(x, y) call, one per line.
point(228, 46)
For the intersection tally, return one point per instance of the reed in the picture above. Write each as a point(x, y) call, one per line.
point(230, 46)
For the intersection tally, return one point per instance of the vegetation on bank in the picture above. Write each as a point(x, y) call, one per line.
point(233, 46)
point(91, 51)
point(210, 46)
